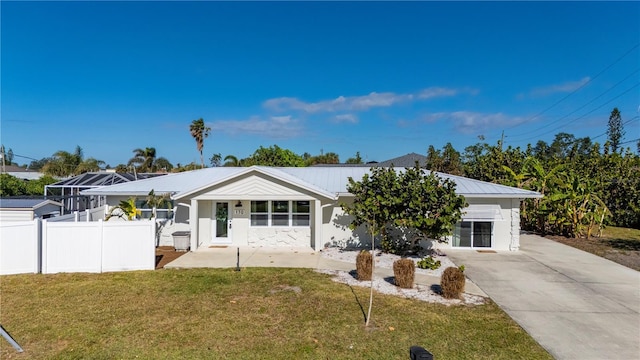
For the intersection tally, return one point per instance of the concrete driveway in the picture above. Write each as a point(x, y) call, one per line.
point(575, 304)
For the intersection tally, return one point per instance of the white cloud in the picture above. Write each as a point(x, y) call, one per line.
point(565, 87)
point(468, 122)
point(346, 118)
point(358, 103)
point(432, 92)
point(277, 127)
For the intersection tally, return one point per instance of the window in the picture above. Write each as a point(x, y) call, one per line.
point(473, 234)
point(280, 213)
point(300, 213)
point(259, 213)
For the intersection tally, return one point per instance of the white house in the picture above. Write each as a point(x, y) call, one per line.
point(300, 207)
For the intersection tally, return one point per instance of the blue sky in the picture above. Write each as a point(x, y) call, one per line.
point(384, 79)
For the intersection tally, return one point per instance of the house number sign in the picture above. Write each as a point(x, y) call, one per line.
point(238, 212)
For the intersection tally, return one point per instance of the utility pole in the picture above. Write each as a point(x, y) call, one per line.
point(501, 140)
point(4, 170)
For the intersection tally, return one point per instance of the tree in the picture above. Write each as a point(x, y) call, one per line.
point(231, 160)
point(371, 207)
point(328, 158)
point(144, 159)
point(216, 160)
point(615, 131)
point(274, 156)
point(12, 186)
point(355, 160)
point(64, 163)
point(409, 200)
point(199, 132)
point(163, 164)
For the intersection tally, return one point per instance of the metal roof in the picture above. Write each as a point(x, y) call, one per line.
point(324, 180)
point(95, 179)
point(25, 203)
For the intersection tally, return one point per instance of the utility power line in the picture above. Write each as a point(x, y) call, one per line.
point(579, 88)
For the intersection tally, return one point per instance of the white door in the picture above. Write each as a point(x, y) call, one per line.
point(221, 223)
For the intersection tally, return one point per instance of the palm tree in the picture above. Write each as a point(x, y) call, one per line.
point(231, 160)
point(199, 132)
point(144, 159)
point(64, 163)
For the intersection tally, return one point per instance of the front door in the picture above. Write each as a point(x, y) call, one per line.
point(221, 223)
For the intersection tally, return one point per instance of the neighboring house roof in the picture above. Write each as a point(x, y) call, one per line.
point(408, 160)
point(21, 173)
point(330, 182)
point(95, 179)
point(25, 204)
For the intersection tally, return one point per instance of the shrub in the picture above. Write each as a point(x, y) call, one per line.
point(429, 263)
point(404, 271)
point(364, 265)
point(394, 245)
point(452, 283)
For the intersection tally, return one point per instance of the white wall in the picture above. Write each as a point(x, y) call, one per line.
point(335, 228)
point(16, 215)
point(19, 247)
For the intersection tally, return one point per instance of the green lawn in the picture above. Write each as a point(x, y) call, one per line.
point(222, 314)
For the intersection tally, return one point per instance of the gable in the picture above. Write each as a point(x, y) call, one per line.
point(255, 187)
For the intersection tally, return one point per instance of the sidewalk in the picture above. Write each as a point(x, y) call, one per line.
point(227, 257)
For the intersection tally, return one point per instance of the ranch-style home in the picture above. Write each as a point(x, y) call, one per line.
point(300, 207)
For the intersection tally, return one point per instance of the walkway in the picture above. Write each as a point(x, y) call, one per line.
point(575, 304)
point(226, 257)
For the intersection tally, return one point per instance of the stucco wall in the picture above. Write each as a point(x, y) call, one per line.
point(294, 236)
point(335, 228)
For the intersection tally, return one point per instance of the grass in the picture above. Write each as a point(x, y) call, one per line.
point(255, 313)
point(621, 245)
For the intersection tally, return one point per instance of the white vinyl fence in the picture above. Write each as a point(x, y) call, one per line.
point(19, 247)
point(87, 215)
point(94, 246)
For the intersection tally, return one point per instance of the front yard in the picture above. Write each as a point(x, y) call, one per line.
point(264, 313)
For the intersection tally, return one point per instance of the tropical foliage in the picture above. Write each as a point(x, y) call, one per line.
point(585, 186)
point(12, 186)
point(145, 161)
point(64, 163)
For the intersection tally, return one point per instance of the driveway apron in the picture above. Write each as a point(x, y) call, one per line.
point(575, 304)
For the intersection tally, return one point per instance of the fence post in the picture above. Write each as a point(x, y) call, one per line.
point(38, 235)
point(101, 227)
point(88, 213)
point(75, 216)
point(43, 249)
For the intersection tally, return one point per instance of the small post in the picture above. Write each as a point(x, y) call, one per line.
point(8, 337)
point(238, 261)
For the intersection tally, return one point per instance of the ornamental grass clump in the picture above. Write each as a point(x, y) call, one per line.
point(404, 271)
point(364, 265)
point(452, 283)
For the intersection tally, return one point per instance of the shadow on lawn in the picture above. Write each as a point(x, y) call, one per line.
point(364, 314)
point(629, 245)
